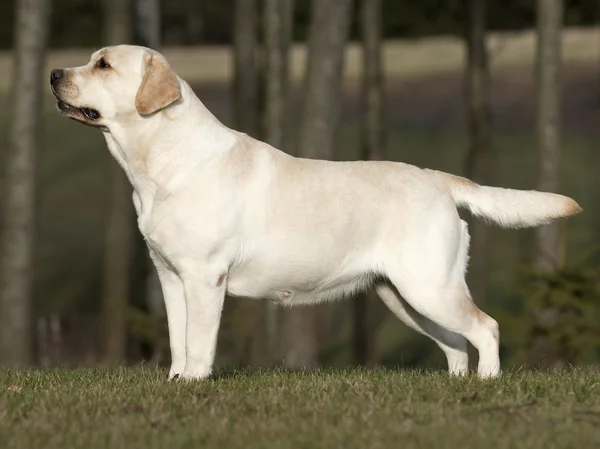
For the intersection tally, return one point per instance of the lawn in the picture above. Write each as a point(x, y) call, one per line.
point(383, 408)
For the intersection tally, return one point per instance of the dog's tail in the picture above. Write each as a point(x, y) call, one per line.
point(508, 207)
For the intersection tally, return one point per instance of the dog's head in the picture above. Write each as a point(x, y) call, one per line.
point(121, 83)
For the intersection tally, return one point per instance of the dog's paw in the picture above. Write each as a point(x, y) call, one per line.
point(195, 374)
point(177, 367)
point(174, 374)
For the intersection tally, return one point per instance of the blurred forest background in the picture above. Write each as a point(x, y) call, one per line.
point(506, 93)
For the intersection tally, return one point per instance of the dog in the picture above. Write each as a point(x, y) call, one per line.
point(224, 213)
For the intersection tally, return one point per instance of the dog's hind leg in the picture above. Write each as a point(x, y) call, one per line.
point(453, 345)
point(429, 273)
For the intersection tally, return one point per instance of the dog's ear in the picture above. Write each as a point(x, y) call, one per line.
point(159, 87)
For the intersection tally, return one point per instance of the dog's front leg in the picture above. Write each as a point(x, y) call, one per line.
point(172, 289)
point(204, 296)
point(173, 296)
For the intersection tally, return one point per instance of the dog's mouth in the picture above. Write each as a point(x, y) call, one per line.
point(89, 114)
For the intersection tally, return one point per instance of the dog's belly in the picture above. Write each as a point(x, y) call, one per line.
point(284, 285)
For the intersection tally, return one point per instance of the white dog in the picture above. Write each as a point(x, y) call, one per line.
point(223, 213)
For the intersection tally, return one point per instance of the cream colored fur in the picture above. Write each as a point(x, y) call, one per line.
point(225, 213)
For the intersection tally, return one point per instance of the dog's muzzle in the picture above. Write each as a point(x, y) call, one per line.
point(56, 76)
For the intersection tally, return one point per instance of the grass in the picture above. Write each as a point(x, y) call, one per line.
point(131, 408)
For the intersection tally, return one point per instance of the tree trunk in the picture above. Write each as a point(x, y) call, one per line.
point(479, 159)
point(326, 46)
point(373, 149)
point(17, 239)
point(373, 145)
point(548, 65)
point(549, 239)
point(320, 116)
point(117, 22)
point(120, 226)
point(277, 14)
point(246, 108)
point(277, 45)
point(194, 22)
point(146, 22)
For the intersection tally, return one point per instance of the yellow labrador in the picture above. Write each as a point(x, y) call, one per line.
point(222, 212)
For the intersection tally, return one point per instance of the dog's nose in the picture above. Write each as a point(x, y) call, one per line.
point(55, 75)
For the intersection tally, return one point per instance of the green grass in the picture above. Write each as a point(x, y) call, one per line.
point(131, 408)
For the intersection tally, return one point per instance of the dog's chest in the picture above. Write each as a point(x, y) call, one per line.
point(155, 245)
point(155, 227)
point(147, 227)
point(178, 230)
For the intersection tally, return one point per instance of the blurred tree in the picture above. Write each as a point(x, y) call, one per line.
point(327, 39)
point(548, 68)
point(146, 24)
point(549, 241)
point(245, 66)
point(277, 40)
point(18, 230)
point(480, 155)
point(373, 86)
point(120, 226)
point(365, 348)
point(195, 21)
point(248, 112)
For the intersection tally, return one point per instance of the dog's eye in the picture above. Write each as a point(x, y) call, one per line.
point(102, 64)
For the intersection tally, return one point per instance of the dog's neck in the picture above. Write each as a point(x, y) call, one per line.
point(142, 148)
